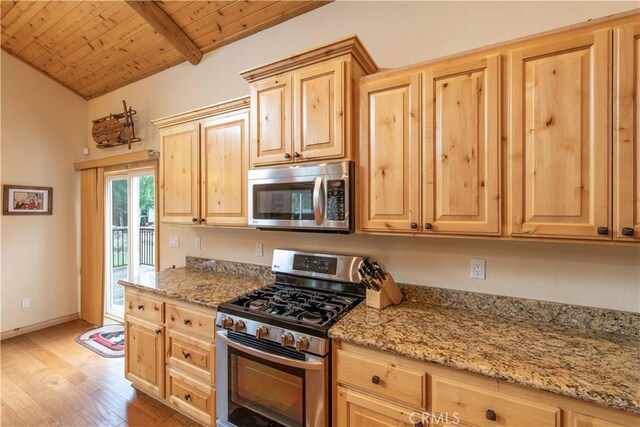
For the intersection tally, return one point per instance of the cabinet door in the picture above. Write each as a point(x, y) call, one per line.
point(626, 135)
point(144, 355)
point(355, 409)
point(179, 174)
point(271, 121)
point(559, 152)
point(389, 154)
point(460, 172)
point(225, 161)
point(318, 112)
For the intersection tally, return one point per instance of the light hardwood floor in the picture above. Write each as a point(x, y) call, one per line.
point(48, 379)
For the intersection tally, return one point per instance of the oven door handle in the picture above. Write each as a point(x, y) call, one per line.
point(318, 213)
point(310, 365)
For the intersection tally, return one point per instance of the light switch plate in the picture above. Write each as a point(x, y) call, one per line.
point(26, 302)
point(174, 242)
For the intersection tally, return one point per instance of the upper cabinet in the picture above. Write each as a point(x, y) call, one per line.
point(204, 164)
point(461, 146)
point(626, 134)
point(560, 143)
point(303, 107)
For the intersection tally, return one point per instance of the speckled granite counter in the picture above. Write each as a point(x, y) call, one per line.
point(206, 283)
point(595, 366)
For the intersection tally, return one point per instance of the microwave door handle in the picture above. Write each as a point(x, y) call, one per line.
point(313, 364)
point(318, 194)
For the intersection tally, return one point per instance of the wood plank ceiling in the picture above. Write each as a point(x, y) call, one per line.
point(94, 47)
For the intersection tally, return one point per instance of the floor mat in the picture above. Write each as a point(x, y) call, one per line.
point(107, 341)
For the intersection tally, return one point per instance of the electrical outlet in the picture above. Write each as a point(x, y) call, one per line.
point(477, 269)
point(174, 242)
point(26, 302)
point(198, 243)
point(259, 249)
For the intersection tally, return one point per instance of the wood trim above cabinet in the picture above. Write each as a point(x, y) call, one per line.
point(136, 156)
point(204, 112)
point(350, 45)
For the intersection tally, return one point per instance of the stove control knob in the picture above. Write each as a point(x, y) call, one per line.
point(302, 344)
point(262, 331)
point(287, 339)
point(239, 326)
point(227, 322)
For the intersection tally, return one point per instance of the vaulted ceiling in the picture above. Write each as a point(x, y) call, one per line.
point(94, 47)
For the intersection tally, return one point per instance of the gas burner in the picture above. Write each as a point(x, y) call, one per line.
point(311, 317)
point(258, 305)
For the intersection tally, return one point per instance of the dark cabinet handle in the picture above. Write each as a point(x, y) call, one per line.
point(158, 331)
point(491, 415)
point(287, 156)
point(627, 231)
point(140, 307)
point(203, 221)
point(194, 220)
point(187, 322)
point(186, 354)
point(296, 154)
point(187, 396)
point(375, 379)
point(414, 225)
point(603, 231)
point(428, 226)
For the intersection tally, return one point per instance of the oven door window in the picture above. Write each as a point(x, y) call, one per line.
point(288, 201)
point(263, 393)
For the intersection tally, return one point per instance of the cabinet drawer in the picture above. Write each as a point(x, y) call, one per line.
point(191, 396)
point(479, 407)
point(387, 379)
point(143, 307)
point(191, 321)
point(192, 355)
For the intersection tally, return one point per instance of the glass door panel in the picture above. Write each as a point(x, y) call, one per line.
point(117, 242)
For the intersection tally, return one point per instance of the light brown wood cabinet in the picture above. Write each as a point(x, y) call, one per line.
point(560, 144)
point(626, 134)
point(375, 388)
point(204, 164)
point(303, 107)
point(448, 179)
point(172, 358)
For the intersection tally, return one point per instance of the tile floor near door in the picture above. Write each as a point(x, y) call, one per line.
point(50, 380)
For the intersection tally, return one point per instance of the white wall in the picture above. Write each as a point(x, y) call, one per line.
point(396, 34)
point(43, 126)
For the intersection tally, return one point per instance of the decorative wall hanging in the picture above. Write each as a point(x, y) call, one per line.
point(27, 200)
point(115, 129)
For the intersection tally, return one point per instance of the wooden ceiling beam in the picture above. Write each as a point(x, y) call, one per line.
point(163, 24)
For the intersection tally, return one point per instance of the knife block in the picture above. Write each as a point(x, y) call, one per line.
point(388, 294)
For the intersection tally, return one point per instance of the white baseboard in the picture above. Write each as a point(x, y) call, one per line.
point(37, 326)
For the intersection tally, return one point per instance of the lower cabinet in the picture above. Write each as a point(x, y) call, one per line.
point(172, 359)
point(375, 388)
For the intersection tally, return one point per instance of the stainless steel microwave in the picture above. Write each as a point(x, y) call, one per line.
point(302, 198)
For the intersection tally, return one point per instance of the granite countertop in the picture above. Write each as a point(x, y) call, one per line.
point(203, 286)
point(595, 366)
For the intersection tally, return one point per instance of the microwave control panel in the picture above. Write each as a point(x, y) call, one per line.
point(336, 194)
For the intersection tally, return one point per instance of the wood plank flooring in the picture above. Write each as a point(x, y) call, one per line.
point(47, 379)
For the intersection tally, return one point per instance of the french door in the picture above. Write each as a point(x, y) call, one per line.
point(130, 232)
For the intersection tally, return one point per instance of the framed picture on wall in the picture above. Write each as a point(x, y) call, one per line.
point(27, 200)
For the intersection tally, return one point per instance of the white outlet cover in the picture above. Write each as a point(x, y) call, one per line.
point(198, 243)
point(259, 251)
point(26, 302)
point(477, 269)
point(174, 242)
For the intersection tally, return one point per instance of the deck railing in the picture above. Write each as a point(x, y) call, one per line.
point(120, 245)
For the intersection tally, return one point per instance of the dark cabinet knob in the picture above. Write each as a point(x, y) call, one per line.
point(414, 225)
point(187, 396)
point(375, 379)
point(418, 424)
point(187, 322)
point(627, 231)
point(428, 226)
point(186, 354)
point(194, 220)
point(140, 307)
point(287, 156)
point(158, 331)
point(603, 231)
point(203, 221)
point(296, 154)
point(491, 415)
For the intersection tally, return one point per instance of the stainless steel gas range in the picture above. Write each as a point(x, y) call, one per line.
point(272, 346)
